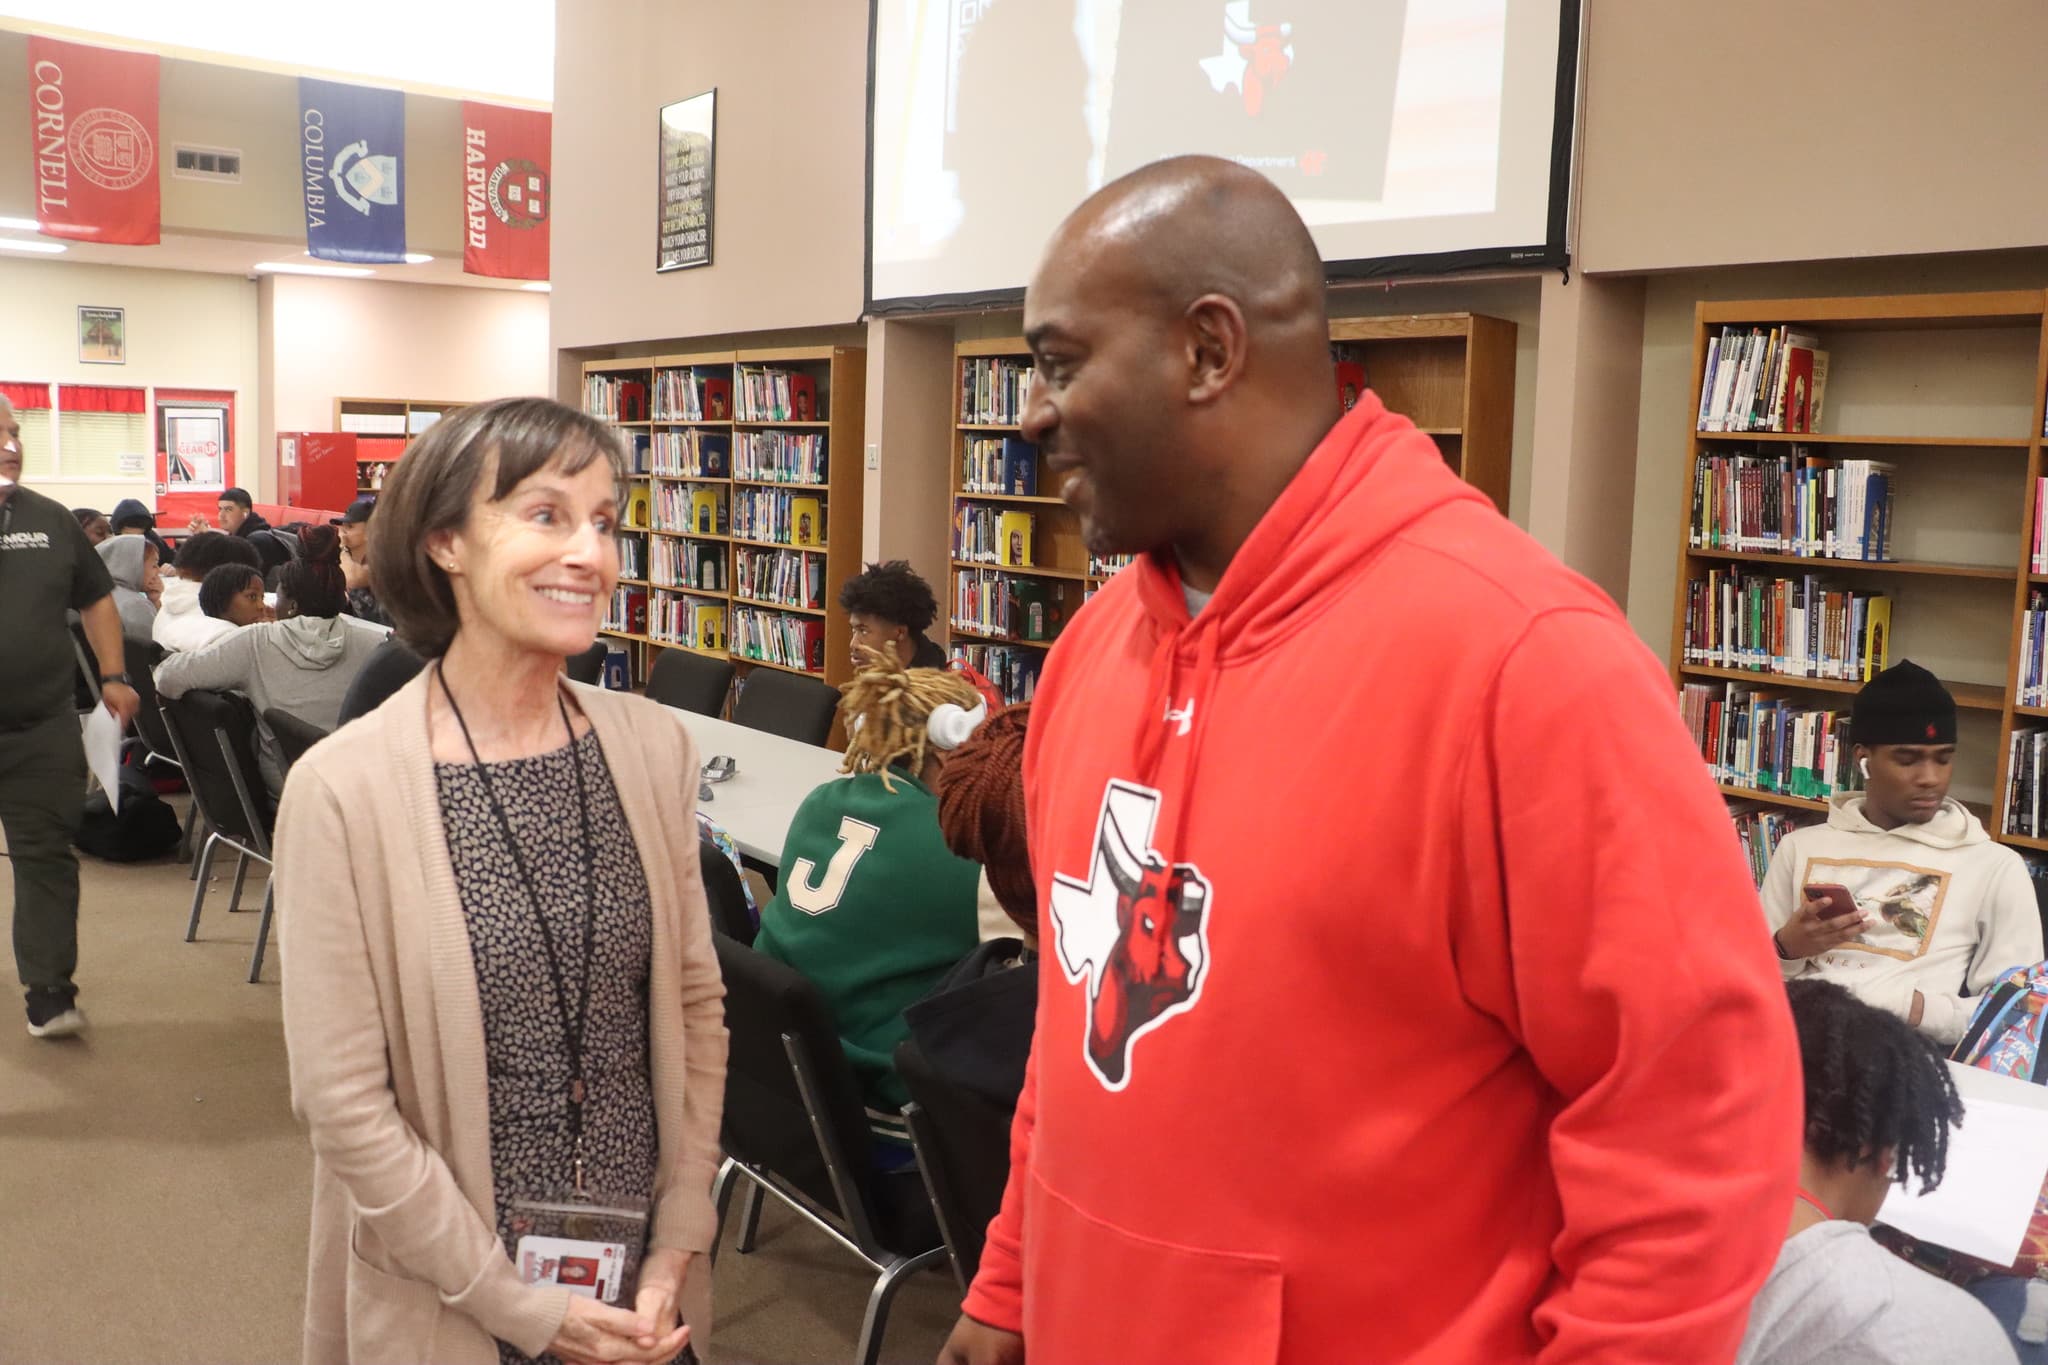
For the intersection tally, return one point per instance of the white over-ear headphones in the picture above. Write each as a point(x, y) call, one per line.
point(950, 724)
point(1863, 766)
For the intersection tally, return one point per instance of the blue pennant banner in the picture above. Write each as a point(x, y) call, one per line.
point(351, 143)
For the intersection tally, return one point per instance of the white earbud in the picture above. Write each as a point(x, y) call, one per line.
point(1863, 766)
point(950, 724)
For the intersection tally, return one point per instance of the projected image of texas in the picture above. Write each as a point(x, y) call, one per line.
point(1302, 90)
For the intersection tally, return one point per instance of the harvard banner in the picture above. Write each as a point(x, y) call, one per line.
point(92, 142)
point(505, 194)
point(351, 141)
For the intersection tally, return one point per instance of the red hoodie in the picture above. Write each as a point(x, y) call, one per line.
point(1405, 997)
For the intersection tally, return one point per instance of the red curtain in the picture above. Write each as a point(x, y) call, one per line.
point(98, 398)
point(25, 395)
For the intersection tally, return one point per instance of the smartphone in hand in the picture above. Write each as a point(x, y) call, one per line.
point(1839, 901)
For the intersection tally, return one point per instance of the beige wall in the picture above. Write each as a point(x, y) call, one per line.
point(1757, 130)
point(791, 153)
point(184, 331)
point(330, 339)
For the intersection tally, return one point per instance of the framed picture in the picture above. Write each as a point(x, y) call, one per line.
point(195, 444)
point(102, 336)
point(683, 207)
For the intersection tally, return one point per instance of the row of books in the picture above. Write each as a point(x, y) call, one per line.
point(790, 578)
point(993, 392)
point(776, 515)
point(1760, 832)
point(632, 556)
point(688, 564)
point(777, 637)
point(990, 535)
point(692, 454)
point(2026, 766)
point(689, 395)
point(767, 394)
point(679, 619)
point(1107, 566)
point(1763, 379)
point(691, 509)
point(628, 610)
point(1012, 668)
point(1768, 742)
point(990, 603)
point(1794, 627)
point(999, 464)
point(2033, 667)
point(2039, 562)
point(1793, 504)
point(634, 445)
point(781, 457)
point(611, 399)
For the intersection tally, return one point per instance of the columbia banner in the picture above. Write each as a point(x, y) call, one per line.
point(505, 191)
point(351, 140)
point(92, 142)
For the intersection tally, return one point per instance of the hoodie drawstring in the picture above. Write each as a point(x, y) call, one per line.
point(1163, 721)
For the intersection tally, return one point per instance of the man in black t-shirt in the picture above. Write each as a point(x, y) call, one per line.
point(47, 567)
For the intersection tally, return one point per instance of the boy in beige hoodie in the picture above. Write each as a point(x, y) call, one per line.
point(1940, 909)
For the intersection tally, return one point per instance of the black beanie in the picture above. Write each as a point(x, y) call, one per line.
point(1905, 704)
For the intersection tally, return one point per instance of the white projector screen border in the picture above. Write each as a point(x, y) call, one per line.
point(1551, 253)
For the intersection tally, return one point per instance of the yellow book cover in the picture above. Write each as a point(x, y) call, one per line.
point(1013, 539)
point(636, 507)
point(1877, 629)
point(710, 627)
point(807, 521)
point(704, 516)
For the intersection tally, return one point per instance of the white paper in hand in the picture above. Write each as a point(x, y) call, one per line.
point(103, 752)
point(1997, 1160)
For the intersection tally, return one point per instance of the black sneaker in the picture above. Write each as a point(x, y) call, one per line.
point(53, 1014)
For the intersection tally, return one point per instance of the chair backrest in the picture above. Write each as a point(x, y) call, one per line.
point(142, 660)
point(690, 682)
point(963, 1146)
point(85, 683)
point(725, 892)
point(226, 784)
point(588, 667)
point(390, 667)
point(787, 704)
point(294, 735)
point(767, 1123)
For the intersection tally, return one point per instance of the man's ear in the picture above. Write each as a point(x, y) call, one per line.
point(1217, 341)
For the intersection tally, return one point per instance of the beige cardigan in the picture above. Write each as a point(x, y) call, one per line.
point(385, 1035)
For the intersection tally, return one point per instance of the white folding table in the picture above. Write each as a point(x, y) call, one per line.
point(774, 775)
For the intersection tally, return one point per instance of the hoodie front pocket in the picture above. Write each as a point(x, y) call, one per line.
point(1096, 1292)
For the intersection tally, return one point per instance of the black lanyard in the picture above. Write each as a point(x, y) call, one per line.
point(573, 1023)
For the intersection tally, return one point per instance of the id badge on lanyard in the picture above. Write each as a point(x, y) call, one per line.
point(588, 1246)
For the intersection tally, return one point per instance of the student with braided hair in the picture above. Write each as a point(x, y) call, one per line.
point(873, 909)
point(1879, 1106)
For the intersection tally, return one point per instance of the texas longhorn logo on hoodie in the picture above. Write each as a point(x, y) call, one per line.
point(1137, 929)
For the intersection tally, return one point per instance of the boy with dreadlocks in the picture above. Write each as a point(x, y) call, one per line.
point(1879, 1105)
point(873, 908)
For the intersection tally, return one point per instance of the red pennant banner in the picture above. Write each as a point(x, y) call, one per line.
point(92, 142)
point(506, 197)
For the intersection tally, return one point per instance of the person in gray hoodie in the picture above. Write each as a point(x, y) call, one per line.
point(302, 663)
point(1939, 911)
point(138, 584)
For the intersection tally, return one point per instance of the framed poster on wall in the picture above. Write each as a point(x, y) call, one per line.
point(194, 441)
point(684, 204)
point(102, 336)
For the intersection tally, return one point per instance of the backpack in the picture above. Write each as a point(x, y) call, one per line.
point(145, 828)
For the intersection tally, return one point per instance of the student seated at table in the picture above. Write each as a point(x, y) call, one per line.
point(234, 594)
point(872, 908)
point(138, 585)
point(1879, 1106)
point(302, 662)
point(181, 623)
point(890, 608)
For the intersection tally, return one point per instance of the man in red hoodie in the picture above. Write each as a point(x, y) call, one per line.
point(1404, 997)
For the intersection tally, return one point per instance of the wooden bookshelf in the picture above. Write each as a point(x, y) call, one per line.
point(1453, 375)
point(394, 413)
point(683, 410)
point(1975, 367)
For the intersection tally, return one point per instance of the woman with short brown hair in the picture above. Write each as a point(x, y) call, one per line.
point(502, 1008)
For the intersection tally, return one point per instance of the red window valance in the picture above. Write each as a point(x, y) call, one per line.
point(25, 395)
point(98, 398)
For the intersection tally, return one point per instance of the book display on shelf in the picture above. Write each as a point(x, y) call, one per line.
point(1013, 669)
point(1010, 606)
point(1000, 465)
point(994, 389)
point(1930, 543)
point(632, 558)
point(705, 489)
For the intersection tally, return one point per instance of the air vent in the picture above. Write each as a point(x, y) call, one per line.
point(218, 164)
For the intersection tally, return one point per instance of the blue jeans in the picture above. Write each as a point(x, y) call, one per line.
point(2006, 1297)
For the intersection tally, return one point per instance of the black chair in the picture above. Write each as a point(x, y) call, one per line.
point(85, 684)
point(963, 1148)
point(786, 704)
point(390, 667)
point(588, 667)
point(725, 892)
point(215, 736)
point(690, 682)
point(141, 661)
point(294, 736)
point(795, 1128)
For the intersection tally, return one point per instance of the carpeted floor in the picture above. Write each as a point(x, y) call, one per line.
point(153, 1182)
